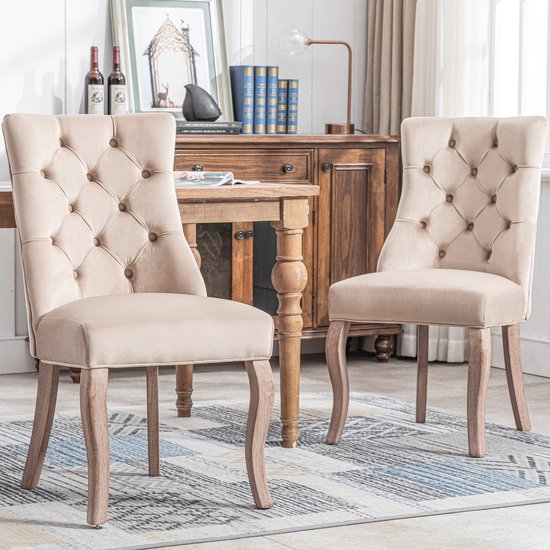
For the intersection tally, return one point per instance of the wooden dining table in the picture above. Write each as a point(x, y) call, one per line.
point(286, 207)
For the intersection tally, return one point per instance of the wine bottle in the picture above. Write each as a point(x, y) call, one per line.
point(116, 84)
point(95, 101)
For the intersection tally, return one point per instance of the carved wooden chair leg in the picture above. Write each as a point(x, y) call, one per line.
point(512, 360)
point(184, 389)
point(262, 395)
point(153, 438)
point(478, 382)
point(93, 408)
point(48, 379)
point(335, 351)
point(422, 341)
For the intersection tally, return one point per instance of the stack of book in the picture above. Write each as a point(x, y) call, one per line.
point(202, 127)
point(262, 102)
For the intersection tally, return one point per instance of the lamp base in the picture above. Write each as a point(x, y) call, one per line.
point(345, 128)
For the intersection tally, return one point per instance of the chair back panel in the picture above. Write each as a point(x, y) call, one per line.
point(96, 208)
point(470, 196)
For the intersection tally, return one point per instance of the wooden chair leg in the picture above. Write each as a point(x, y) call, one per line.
point(153, 440)
point(262, 395)
point(48, 379)
point(184, 389)
point(335, 351)
point(422, 341)
point(93, 408)
point(478, 381)
point(512, 360)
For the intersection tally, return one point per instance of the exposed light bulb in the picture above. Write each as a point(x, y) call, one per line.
point(294, 41)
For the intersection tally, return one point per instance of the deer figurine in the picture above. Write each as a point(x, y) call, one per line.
point(162, 97)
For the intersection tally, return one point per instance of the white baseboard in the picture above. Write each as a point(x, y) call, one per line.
point(535, 355)
point(14, 356)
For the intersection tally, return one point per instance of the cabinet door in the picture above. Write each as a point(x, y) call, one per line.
point(350, 219)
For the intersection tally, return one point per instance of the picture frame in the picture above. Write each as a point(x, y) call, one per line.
point(166, 44)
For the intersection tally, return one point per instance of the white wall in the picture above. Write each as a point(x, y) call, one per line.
point(44, 55)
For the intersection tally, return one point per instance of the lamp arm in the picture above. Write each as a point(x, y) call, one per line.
point(342, 43)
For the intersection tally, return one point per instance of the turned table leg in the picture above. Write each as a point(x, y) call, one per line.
point(289, 277)
point(184, 373)
point(184, 389)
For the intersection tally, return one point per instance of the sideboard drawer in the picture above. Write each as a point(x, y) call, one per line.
point(269, 166)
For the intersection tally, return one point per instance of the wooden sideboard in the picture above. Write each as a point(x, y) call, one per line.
point(358, 180)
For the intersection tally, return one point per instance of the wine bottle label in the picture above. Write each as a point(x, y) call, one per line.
point(95, 99)
point(119, 102)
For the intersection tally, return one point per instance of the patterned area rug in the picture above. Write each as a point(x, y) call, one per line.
point(386, 467)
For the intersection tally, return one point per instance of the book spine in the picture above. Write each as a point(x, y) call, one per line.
point(242, 88)
point(292, 107)
point(272, 94)
point(282, 97)
point(260, 95)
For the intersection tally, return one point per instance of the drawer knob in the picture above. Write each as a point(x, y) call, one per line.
point(249, 234)
point(239, 235)
point(198, 168)
point(287, 168)
point(327, 166)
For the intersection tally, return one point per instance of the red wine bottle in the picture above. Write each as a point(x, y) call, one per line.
point(116, 83)
point(95, 100)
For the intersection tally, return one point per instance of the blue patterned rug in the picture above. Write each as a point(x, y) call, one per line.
point(386, 467)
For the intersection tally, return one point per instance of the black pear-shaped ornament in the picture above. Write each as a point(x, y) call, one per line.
point(199, 105)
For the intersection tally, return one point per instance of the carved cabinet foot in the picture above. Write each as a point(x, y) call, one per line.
point(384, 348)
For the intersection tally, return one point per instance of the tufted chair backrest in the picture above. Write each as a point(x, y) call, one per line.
point(96, 208)
point(470, 196)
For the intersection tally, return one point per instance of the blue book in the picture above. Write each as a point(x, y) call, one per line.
point(260, 96)
point(242, 90)
point(282, 98)
point(292, 107)
point(272, 91)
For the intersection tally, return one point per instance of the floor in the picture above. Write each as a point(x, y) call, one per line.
point(517, 528)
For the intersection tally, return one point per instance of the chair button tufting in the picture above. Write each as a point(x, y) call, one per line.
point(128, 273)
point(42, 173)
point(122, 207)
point(52, 240)
point(495, 143)
point(153, 237)
point(474, 172)
point(427, 169)
point(452, 143)
point(494, 198)
point(61, 144)
point(514, 168)
point(508, 225)
point(90, 177)
point(75, 274)
point(423, 225)
point(145, 174)
point(96, 241)
point(470, 226)
point(449, 198)
point(71, 208)
point(489, 253)
point(113, 142)
point(442, 253)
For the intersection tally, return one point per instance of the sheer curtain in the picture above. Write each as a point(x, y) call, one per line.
point(450, 78)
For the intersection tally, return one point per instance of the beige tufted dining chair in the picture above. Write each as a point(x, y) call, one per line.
point(111, 282)
point(459, 253)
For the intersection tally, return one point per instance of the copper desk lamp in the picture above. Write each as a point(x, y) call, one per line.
point(295, 42)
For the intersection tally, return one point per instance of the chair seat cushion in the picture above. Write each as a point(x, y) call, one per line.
point(428, 296)
point(153, 329)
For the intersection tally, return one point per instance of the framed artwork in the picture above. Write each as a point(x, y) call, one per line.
point(166, 44)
